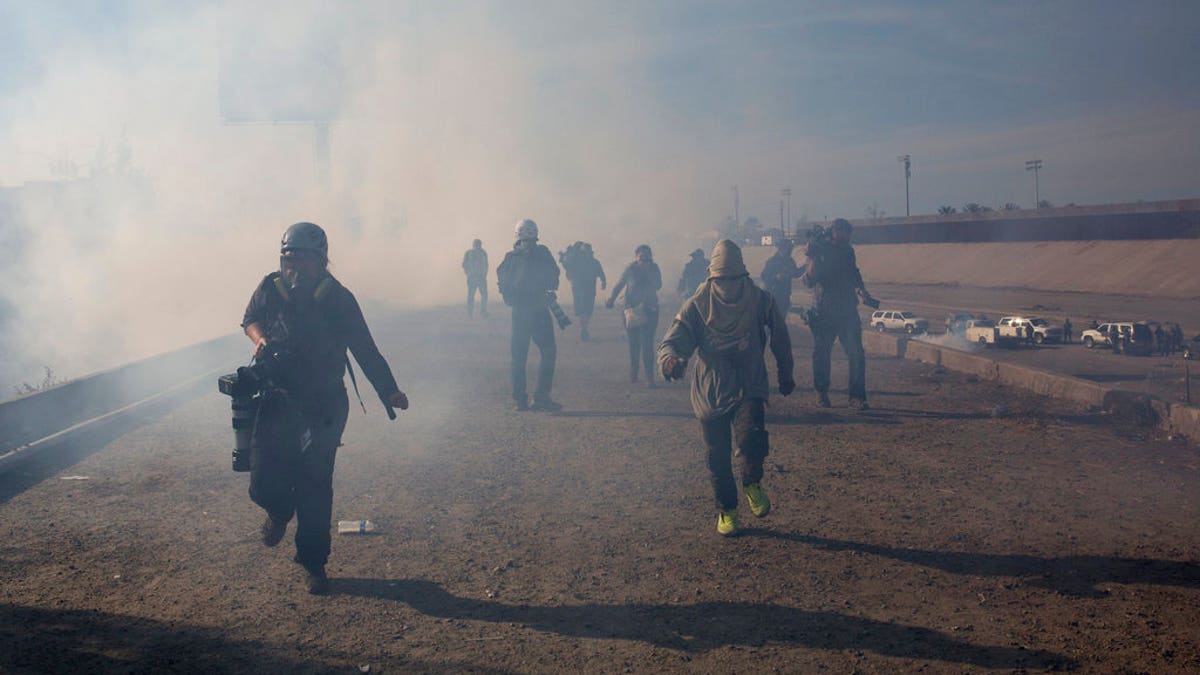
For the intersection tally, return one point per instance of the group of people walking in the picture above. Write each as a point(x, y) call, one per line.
point(726, 320)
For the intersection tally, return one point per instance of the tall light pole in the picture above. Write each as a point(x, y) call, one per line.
point(1035, 165)
point(737, 223)
point(787, 192)
point(906, 160)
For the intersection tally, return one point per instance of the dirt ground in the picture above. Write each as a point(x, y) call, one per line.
point(958, 526)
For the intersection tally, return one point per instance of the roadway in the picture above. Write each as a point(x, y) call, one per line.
point(957, 526)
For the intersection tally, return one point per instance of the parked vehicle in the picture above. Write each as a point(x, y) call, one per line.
point(908, 322)
point(981, 331)
point(1136, 337)
point(1043, 331)
point(1098, 336)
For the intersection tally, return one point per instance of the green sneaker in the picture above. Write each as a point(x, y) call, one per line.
point(759, 504)
point(727, 522)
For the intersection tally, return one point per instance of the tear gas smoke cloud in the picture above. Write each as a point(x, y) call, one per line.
point(618, 124)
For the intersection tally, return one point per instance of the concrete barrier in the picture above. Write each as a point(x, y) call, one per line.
point(883, 344)
point(915, 350)
point(1184, 419)
point(1047, 383)
point(972, 364)
point(29, 418)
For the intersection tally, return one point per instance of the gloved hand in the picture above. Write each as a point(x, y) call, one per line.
point(609, 303)
point(673, 368)
point(398, 400)
point(786, 387)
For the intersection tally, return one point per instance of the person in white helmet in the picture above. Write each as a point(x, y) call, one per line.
point(527, 279)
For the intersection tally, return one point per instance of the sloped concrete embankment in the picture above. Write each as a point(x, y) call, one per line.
point(1153, 268)
point(31, 423)
point(1135, 407)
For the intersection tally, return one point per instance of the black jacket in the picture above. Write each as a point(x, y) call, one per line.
point(316, 332)
point(526, 276)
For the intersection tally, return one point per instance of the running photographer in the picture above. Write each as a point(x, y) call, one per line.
point(302, 321)
point(837, 286)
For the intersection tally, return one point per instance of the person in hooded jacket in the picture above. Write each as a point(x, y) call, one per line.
point(640, 281)
point(729, 323)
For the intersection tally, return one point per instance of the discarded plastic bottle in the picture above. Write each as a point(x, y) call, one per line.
point(355, 526)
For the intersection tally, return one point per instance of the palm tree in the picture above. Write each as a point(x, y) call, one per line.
point(947, 210)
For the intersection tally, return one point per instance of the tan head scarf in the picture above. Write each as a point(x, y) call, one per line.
point(726, 299)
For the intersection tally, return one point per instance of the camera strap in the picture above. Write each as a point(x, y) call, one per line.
point(354, 383)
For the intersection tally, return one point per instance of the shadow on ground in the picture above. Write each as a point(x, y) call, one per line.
point(1076, 576)
point(38, 640)
point(706, 625)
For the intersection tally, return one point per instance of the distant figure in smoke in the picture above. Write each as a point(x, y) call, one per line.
point(583, 270)
point(528, 277)
point(302, 321)
point(694, 273)
point(1029, 335)
point(837, 284)
point(777, 275)
point(475, 266)
point(1067, 328)
point(727, 322)
point(640, 281)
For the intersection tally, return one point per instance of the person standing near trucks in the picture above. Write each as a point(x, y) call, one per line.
point(837, 285)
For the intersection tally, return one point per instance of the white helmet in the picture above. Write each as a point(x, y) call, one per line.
point(526, 229)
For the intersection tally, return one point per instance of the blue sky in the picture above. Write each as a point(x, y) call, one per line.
point(817, 96)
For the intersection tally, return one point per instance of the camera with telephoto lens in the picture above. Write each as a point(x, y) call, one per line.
point(818, 238)
point(559, 315)
point(248, 387)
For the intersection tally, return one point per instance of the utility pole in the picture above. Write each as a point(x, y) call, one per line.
point(737, 221)
point(906, 160)
point(787, 192)
point(1035, 165)
point(782, 225)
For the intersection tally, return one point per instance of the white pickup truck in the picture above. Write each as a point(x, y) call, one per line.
point(982, 331)
point(1013, 328)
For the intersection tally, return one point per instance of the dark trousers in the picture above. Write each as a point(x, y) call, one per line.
point(641, 346)
point(783, 298)
point(479, 284)
point(532, 323)
point(848, 330)
point(287, 480)
point(745, 425)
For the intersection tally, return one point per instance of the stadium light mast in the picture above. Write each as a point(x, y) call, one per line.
point(906, 160)
point(1035, 165)
point(787, 192)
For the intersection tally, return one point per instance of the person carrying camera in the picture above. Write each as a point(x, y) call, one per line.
point(724, 322)
point(583, 270)
point(777, 275)
point(640, 281)
point(832, 273)
point(302, 321)
point(528, 277)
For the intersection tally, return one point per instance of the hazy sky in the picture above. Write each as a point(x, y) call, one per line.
point(816, 96)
